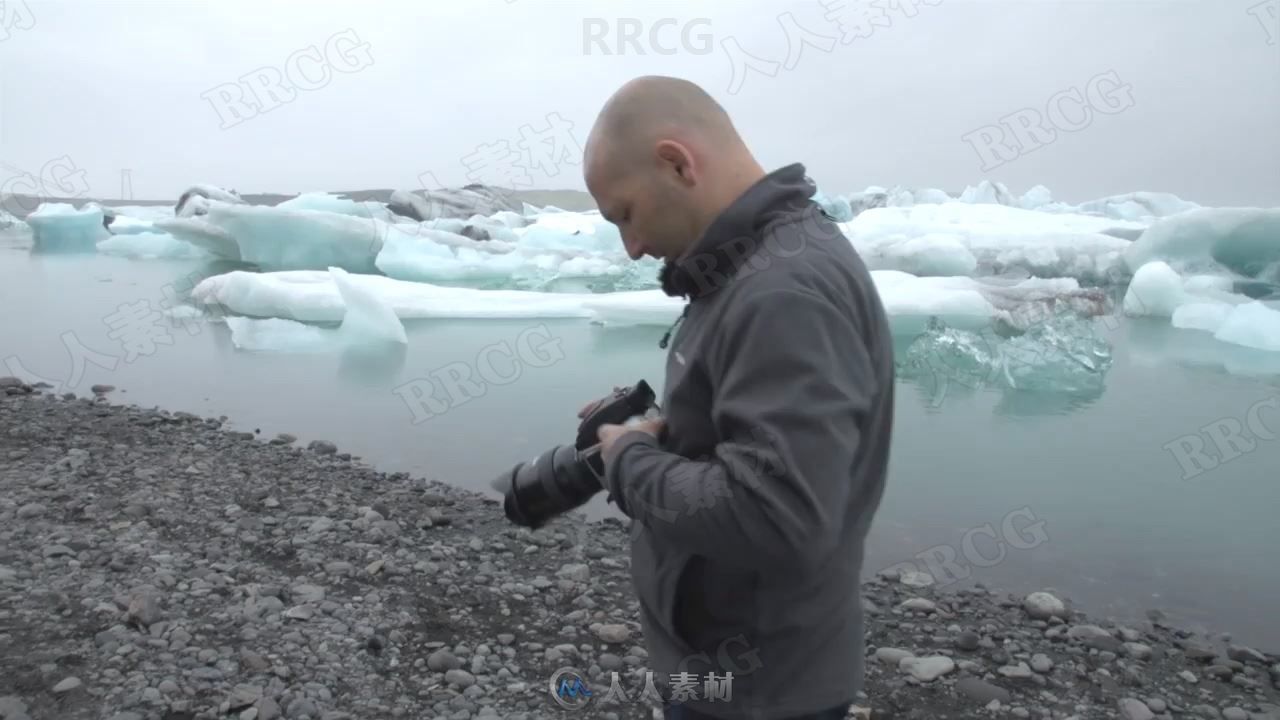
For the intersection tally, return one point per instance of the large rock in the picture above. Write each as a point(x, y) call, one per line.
point(1043, 605)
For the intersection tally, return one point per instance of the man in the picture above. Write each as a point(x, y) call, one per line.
point(751, 498)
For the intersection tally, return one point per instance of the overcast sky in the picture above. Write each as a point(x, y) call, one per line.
point(1180, 96)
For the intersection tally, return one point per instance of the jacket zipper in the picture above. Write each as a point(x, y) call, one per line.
point(667, 338)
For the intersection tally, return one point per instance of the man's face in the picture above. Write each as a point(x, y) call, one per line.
point(651, 213)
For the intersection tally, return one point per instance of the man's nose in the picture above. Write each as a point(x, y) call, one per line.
point(634, 250)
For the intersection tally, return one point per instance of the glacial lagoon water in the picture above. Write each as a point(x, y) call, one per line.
point(1095, 494)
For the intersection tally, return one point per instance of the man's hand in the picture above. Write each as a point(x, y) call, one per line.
point(609, 434)
point(595, 404)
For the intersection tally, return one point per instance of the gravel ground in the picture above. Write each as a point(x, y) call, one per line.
point(154, 566)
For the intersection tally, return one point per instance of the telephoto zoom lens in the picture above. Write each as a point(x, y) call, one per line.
point(554, 483)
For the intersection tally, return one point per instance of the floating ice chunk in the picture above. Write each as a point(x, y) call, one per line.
point(143, 213)
point(202, 234)
point(997, 238)
point(1253, 325)
point(331, 202)
point(367, 318)
point(1156, 289)
point(367, 321)
point(1064, 354)
point(281, 239)
point(151, 245)
point(437, 255)
point(124, 225)
point(59, 227)
point(1206, 304)
point(1243, 240)
point(311, 296)
point(910, 301)
point(1207, 316)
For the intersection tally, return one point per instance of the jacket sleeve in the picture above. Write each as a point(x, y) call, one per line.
point(791, 379)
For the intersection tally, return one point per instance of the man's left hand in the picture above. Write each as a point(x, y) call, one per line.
point(609, 434)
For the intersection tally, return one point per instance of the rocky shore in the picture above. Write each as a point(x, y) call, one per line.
point(155, 566)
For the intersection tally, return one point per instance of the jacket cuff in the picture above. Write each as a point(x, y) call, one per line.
point(613, 469)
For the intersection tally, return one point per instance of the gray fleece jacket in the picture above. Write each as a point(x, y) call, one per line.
point(749, 516)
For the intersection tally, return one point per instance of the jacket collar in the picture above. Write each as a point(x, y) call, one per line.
point(736, 231)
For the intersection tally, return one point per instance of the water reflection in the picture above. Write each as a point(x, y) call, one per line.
point(1154, 342)
point(374, 364)
point(1038, 403)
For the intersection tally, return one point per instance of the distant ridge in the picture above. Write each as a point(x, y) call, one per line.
point(574, 200)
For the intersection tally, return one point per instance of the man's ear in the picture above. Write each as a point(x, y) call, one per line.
point(677, 158)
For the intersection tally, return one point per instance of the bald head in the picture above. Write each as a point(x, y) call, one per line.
point(663, 149)
point(656, 107)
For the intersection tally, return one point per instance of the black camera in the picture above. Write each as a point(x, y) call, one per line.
point(567, 476)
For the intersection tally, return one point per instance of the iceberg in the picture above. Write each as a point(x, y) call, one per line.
point(311, 296)
point(202, 234)
point(274, 238)
point(911, 302)
point(151, 245)
point(963, 239)
point(1244, 241)
point(1062, 354)
point(125, 225)
point(59, 227)
point(546, 253)
point(334, 203)
point(367, 323)
point(430, 255)
point(1205, 303)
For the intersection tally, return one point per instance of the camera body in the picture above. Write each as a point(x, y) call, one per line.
point(567, 476)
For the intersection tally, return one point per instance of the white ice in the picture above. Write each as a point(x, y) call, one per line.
point(553, 248)
point(59, 227)
point(367, 322)
point(279, 238)
point(1203, 303)
point(150, 246)
point(961, 238)
point(310, 296)
point(1244, 241)
point(331, 202)
point(1140, 206)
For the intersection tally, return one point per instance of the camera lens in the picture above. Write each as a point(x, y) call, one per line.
point(553, 484)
